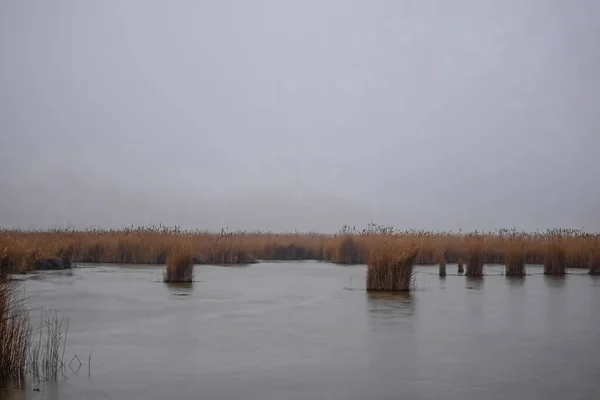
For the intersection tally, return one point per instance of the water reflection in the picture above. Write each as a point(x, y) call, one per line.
point(515, 281)
point(595, 280)
point(557, 281)
point(15, 389)
point(180, 289)
point(474, 282)
point(390, 304)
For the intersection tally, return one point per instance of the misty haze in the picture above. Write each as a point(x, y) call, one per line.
point(284, 199)
point(300, 115)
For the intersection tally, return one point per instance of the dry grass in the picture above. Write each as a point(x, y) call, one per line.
point(475, 255)
point(390, 268)
point(594, 259)
point(514, 257)
point(348, 251)
point(555, 257)
point(24, 350)
point(442, 262)
point(15, 331)
point(180, 266)
point(20, 249)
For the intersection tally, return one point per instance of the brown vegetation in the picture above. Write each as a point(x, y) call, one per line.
point(22, 350)
point(475, 255)
point(19, 250)
point(180, 266)
point(594, 259)
point(461, 266)
point(514, 258)
point(390, 268)
point(555, 257)
point(442, 262)
point(15, 331)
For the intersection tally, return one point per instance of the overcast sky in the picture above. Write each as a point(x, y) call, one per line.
point(283, 115)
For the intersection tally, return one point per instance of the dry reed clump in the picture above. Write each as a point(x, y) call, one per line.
point(390, 268)
point(22, 350)
point(555, 257)
point(594, 261)
point(514, 256)
point(442, 263)
point(348, 251)
point(180, 266)
point(475, 256)
point(15, 330)
point(461, 266)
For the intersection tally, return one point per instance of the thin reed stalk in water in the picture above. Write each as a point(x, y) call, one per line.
point(46, 357)
point(180, 267)
point(391, 269)
point(15, 331)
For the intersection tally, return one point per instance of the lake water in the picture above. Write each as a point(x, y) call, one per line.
point(308, 330)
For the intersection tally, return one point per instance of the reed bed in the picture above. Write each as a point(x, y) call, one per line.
point(19, 250)
point(390, 268)
point(180, 266)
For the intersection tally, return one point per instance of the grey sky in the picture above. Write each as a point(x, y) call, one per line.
point(272, 114)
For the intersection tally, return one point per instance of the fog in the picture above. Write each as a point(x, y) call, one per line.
point(308, 115)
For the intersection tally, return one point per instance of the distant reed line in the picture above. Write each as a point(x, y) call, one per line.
point(152, 245)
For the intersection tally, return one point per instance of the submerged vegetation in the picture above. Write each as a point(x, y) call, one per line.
point(557, 249)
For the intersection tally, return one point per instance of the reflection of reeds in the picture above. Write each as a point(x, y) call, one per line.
point(391, 269)
point(180, 266)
